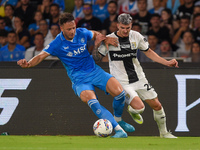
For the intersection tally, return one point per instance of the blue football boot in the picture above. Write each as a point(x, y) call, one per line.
point(127, 127)
point(120, 134)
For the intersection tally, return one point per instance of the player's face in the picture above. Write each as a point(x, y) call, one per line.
point(55, 30)
point(112, 8)
point(195, 48)
point(142, 5)
point(12, 38)
point(78, 3)
point(124, 29)
point(165, 46)
point(136, 28)
point(54, 11)
point(69, 30)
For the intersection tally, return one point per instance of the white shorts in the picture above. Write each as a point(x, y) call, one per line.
point(140, 88)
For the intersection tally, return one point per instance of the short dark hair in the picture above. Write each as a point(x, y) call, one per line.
point(39, 33)
point(185, 17)
point(155, 15)
point(65, 17)
point(2, 18)
point(113, 2)
point(137, 24)
point(20, 17)
point(54, 4)
point(3, 33)
point(54, 24)
point(87, 4)
point(196, 15)
point(12, 31)
point(143, 0)
point(12, 7)
point(44, 21)
point(152, 34)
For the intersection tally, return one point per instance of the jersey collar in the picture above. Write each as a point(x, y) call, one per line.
point(62, 36)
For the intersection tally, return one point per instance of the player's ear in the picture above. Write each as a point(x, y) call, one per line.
point(118, 26)
point(61, 28)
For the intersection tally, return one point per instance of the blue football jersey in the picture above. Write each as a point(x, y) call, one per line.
point(14, 55)
point(74, 55)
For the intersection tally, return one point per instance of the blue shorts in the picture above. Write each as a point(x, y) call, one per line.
point(97, 78)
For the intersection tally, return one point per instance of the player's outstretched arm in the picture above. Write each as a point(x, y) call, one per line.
point(34, 61)
point(155, 57)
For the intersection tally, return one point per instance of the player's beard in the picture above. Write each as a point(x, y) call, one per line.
point(69, 37)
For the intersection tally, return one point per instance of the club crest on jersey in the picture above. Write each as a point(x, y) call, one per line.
point(70, 54)
point(82, 40)
point(127, 96)
point(133, 45)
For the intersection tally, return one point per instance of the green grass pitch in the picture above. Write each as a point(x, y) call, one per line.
point(96, 143)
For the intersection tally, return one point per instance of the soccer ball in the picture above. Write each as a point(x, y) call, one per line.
point(102, 128)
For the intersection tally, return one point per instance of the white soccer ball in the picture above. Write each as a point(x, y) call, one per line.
point(102, 128)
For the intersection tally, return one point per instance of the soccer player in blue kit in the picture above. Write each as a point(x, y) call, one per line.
point(70, 47)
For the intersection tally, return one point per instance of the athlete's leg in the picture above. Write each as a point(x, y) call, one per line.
point(135, 108)
point(159, 117)
point(115, 89)
point(135, 104)
point(89, 97)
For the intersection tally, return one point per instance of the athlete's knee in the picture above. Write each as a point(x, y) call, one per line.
point(87, 95)
point(117, 91)
point(157, 106)
point(114, 87)
point(136, 111)
point(136, 103)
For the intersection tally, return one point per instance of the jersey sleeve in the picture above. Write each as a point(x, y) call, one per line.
point(51, 48)
point(87, 33)
point(143, 43)
point(102, 49)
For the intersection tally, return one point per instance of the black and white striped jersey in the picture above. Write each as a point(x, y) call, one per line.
point(123, 62)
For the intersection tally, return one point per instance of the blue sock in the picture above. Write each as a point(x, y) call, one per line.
point(118, 104)
point(101, 112)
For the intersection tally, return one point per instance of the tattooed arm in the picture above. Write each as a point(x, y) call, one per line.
point(95, 53)
point(101, 47)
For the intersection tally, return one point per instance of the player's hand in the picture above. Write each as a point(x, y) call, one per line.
point(23, 63)
point(173, 63)
point(112, 41)
point(99, 39)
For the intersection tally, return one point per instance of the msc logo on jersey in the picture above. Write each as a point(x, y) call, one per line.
point(77, 52)
point(125, 46)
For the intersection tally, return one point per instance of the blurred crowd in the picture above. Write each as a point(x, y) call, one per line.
point(172, 27)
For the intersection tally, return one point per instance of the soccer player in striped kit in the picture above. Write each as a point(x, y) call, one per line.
point(125, 67)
